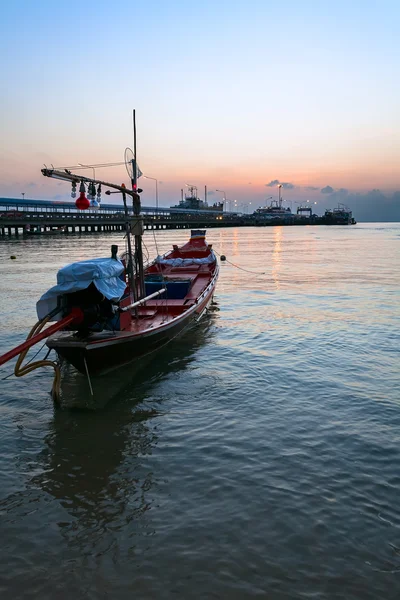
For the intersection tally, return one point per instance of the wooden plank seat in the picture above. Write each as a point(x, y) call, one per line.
point(146, 313)
point(187, 268)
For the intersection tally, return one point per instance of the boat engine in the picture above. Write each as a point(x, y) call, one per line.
point(99, 313)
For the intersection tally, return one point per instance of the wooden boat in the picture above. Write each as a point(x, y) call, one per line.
point(110, 311)
point(179, 287)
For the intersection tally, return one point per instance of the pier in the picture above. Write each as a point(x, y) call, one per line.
point(24, 217)
point(21, 217)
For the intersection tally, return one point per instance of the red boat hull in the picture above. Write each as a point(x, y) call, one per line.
point(99, 352)
point(179, 287)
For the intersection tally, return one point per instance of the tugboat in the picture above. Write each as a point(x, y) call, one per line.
point(113, 310)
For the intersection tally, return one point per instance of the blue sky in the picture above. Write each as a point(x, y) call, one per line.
point(229, 94)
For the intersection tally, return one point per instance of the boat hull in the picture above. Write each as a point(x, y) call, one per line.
point(100, 353)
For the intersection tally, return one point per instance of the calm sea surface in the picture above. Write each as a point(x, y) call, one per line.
point(256, 457)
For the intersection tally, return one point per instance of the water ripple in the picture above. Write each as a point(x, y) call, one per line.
point(256, 457)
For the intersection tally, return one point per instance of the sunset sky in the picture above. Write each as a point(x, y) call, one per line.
point(232, 95)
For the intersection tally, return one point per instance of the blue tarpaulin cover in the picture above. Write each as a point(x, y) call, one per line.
point(104, 273)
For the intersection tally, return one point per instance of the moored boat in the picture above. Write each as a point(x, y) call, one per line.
point(111, 311)
point(179, 287)
point(342, 215)
point(192, 202)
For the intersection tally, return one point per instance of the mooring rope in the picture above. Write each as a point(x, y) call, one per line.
point(241, 268)
point(20, 371)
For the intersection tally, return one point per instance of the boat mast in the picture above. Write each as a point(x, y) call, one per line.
point(130, 267)
point(137, 227)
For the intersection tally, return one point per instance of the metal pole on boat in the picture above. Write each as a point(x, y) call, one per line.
point(131, 275)
point(143, 300)
point(138, 225)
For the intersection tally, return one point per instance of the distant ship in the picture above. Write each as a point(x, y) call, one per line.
point(341, 215)
point(192, 202)
point(274, 210)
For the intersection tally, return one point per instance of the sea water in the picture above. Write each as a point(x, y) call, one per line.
point(257, 456)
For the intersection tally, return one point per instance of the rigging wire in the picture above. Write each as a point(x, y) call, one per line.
point(147, 253)
point(96, 166)
point(241, 268)
point(165, 296)
point(30, 360)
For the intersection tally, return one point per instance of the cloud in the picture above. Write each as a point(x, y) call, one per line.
point(285, 184)
point(327, 190)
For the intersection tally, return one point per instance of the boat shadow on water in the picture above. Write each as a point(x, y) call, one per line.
point(92, 463)
point(133, 380)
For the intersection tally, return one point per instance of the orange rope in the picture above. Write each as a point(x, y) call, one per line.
point(20, 371)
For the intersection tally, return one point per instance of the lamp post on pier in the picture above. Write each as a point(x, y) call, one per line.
point(224, 196)
point(156, 180)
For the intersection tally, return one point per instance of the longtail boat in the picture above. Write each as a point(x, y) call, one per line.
point(111, 311)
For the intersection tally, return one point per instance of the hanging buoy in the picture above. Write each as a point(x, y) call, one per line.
point(82, 203)
point(91, 191)
point(223, 257)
